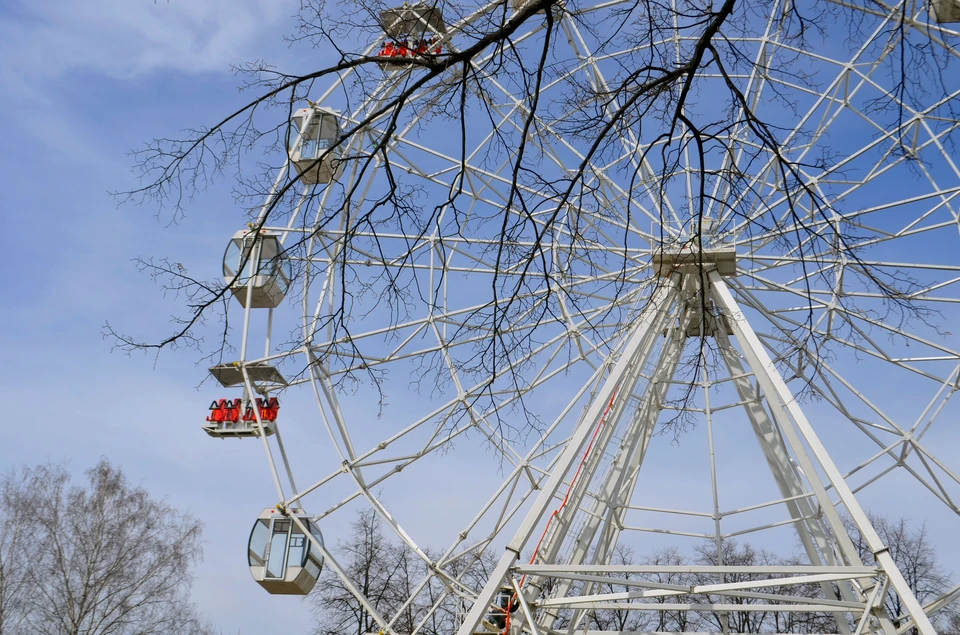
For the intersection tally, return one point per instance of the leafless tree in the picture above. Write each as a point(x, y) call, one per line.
point(675, 53)
point(909, 544)
point(746, 621)
point(618, 619)
point(671, 621)
point(378, 568)
point(442, 606)
point(106, 558)
point(917, 558)
point(389, 575)
point(18, 549)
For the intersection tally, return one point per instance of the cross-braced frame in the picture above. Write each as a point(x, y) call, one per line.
point(523, 251)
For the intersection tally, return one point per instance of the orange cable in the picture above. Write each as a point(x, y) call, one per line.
point(566, 498)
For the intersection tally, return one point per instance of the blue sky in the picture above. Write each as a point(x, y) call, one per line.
point(85, 83)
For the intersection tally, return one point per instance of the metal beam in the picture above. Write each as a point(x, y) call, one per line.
point(798, 431)
point(632, 354)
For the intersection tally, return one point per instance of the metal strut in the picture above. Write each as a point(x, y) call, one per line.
point(632, 355)
point(596, 475)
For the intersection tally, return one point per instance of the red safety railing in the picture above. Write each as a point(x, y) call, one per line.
point(566, 498)
point(233, 410)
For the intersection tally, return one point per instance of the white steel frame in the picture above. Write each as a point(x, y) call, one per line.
point(788, 424)
point(635, 364)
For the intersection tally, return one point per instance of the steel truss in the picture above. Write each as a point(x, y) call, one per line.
point(794, 454)
point(568, 498)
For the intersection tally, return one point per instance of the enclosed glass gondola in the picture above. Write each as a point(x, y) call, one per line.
point(945, 11)
point(410, 30)
point(313, 145)
point(266, 274)
point(281, 557)
point(497, 619)
point(520, 5)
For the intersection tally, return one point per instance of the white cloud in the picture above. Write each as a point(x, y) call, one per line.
point(126, 38)
point(45, 43)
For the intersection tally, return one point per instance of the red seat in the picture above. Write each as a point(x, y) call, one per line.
point(218, 411)
point(232, 409)
point(268, 410)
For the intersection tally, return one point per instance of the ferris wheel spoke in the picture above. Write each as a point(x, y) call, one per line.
point(538, 450)
point(852, 318)
point(784, 261)
point(629, 150)
point(927, 418)
point(478, 420)
point(631, 142)
point(940, 489)
point(757, 81)
point(378, 480)
point(485, 270)
point(923, 26)
point(368, 457)
point(899, 460)
point(926, 456)
point(945, 197)
point(887, 449)
point(837, 84)
point(774, 196)
point(489, 178)
point(458, 319)
point(916, 294)
point(864, 73)
point(875, 236)
point(932, 488)
point(506, 490)
point(542, 142)
point(451, 408)
point(884, 164)
point(826, 389)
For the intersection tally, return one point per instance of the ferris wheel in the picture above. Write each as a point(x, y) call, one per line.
point(773, 285)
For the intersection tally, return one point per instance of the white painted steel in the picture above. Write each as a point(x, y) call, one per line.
point(627, 302)
point(775, 389)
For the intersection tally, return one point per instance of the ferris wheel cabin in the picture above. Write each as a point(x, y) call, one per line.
point(238, 418)
point(243, 417)
point(497, 618)
point(410, 30)
point(266, 273)
point(313, 149)
point(281, 557)
point(945, 11)
point(520, 5)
